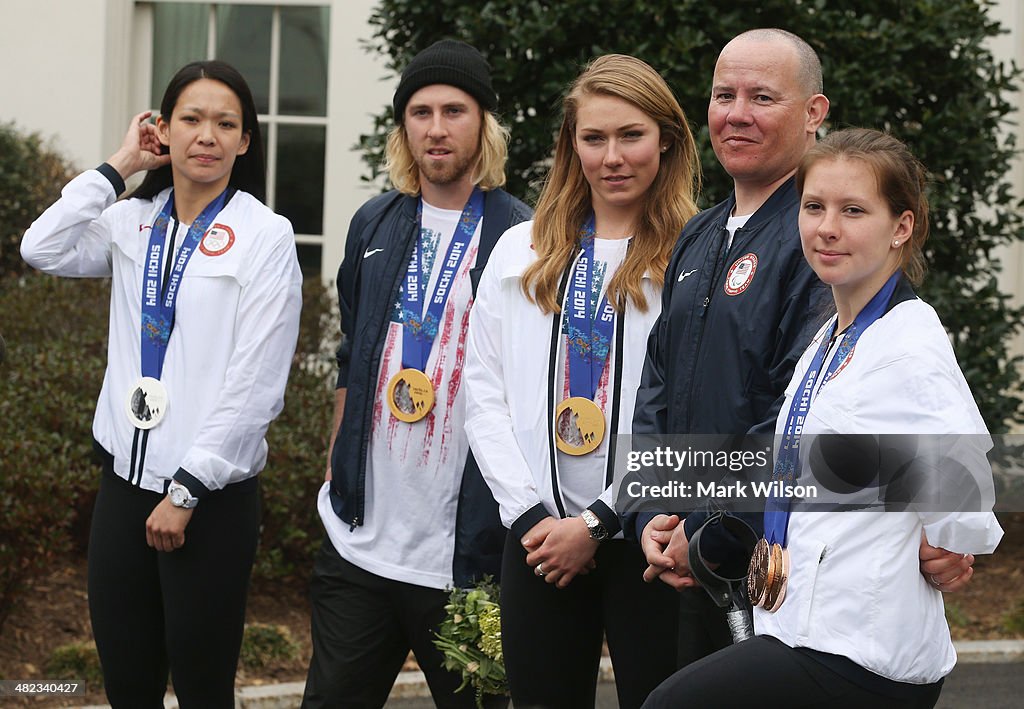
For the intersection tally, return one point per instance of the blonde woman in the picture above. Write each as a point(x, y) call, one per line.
point(555, 351)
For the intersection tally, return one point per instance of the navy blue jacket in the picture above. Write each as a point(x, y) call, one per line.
point(718, 360)
point(367, 289)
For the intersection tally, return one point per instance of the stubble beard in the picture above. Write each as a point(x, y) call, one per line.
point(442, 175)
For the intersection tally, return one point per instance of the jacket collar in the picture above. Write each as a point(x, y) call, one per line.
point(783, 196)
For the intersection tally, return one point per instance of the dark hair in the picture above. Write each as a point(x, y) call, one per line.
point(249, 171)
point(901, 182)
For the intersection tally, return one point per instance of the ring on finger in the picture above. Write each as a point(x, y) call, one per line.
point(539, 571)
point(935, 580)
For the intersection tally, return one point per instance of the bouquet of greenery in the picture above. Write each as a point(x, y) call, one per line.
point(470, 639)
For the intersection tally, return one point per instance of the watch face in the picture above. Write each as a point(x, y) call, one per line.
point(178, 497)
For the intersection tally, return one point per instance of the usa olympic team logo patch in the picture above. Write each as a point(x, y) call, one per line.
point(842, 364)
point(217, 240)
point(741, 273)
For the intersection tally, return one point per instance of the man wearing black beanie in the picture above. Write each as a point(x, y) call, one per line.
point(405, 508)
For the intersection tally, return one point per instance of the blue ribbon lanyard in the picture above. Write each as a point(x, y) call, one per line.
point(158, 302)
point(589, 336)
point(787, 467)
point(418, 328)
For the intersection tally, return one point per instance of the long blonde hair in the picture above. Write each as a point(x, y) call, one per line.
point(565, 199)
point(488, 173)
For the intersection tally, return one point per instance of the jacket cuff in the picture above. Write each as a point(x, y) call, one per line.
point(607, 515)
point(528, 519)
point(642, 520)
point(113, 176)
point(195, 488)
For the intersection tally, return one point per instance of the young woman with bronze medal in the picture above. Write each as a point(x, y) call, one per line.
point(843, 615)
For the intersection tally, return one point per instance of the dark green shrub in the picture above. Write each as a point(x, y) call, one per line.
point(31, 176)
point(76, 661)
point(918, 68)
point(298, 442)
point(264, 644)
point(56, 332)
point(1013, 619)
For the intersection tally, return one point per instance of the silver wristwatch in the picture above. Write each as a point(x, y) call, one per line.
point(180, 496)
point(598, 532)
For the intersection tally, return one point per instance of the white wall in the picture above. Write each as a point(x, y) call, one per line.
point(55, 56)
point(1010, 47)
point(359, 89)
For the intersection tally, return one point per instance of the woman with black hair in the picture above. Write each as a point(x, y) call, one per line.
point(204, 312)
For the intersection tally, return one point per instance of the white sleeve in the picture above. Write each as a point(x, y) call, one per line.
point(266, 329)
point(71, 238)
point(488, 418)
point(957, 513)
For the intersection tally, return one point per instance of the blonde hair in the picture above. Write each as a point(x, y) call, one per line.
point(488, 173)
point(565, 199)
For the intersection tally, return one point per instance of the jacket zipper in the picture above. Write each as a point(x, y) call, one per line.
point(720, 259)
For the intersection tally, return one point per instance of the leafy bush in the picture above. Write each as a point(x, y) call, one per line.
point(56, 331)
point(76, 661)
point(56, 337)
point(264, 644)
point(919, 68)
point(31, 176)
point(1013, 619)
point(298, 442)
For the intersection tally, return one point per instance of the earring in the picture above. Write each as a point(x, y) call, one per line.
point(664, 148)
point(895, 243)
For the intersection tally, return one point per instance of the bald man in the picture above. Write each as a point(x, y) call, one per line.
point(740, 304)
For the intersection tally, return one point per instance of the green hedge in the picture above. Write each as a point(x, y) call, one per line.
point(56, 332)
point(31, 176)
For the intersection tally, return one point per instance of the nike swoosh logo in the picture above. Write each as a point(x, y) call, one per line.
point(684, 275)
point(371, 252)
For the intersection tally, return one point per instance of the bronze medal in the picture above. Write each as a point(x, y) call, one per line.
point(410, 395)
point(757, 574)
point(579, 426)
point(775, 589)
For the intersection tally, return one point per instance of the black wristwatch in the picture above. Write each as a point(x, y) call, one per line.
point(598, 532)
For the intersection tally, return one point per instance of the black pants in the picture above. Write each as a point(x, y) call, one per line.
point(765, 672)
point(363, 627)
point(551, 637)
point(702, 626)
point(182, 610)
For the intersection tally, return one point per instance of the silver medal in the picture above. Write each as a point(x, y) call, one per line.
point(146, 403)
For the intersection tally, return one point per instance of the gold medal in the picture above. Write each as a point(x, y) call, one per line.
point(410, 395)
point(579, 426)
point(757, 574)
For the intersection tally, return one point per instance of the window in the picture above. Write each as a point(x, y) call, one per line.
point(282, 50)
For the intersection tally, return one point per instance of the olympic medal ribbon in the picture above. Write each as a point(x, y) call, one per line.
point(787, 467)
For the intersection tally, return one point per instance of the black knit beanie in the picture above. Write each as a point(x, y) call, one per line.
point(450, 62)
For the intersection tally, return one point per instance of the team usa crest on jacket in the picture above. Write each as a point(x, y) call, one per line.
point(217, 240)
point(740, 275)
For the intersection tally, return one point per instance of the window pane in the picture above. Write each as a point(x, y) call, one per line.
point(300, 176)
point(243, 40)
point(303, 61)
point(310, 258)
point(179, 37)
